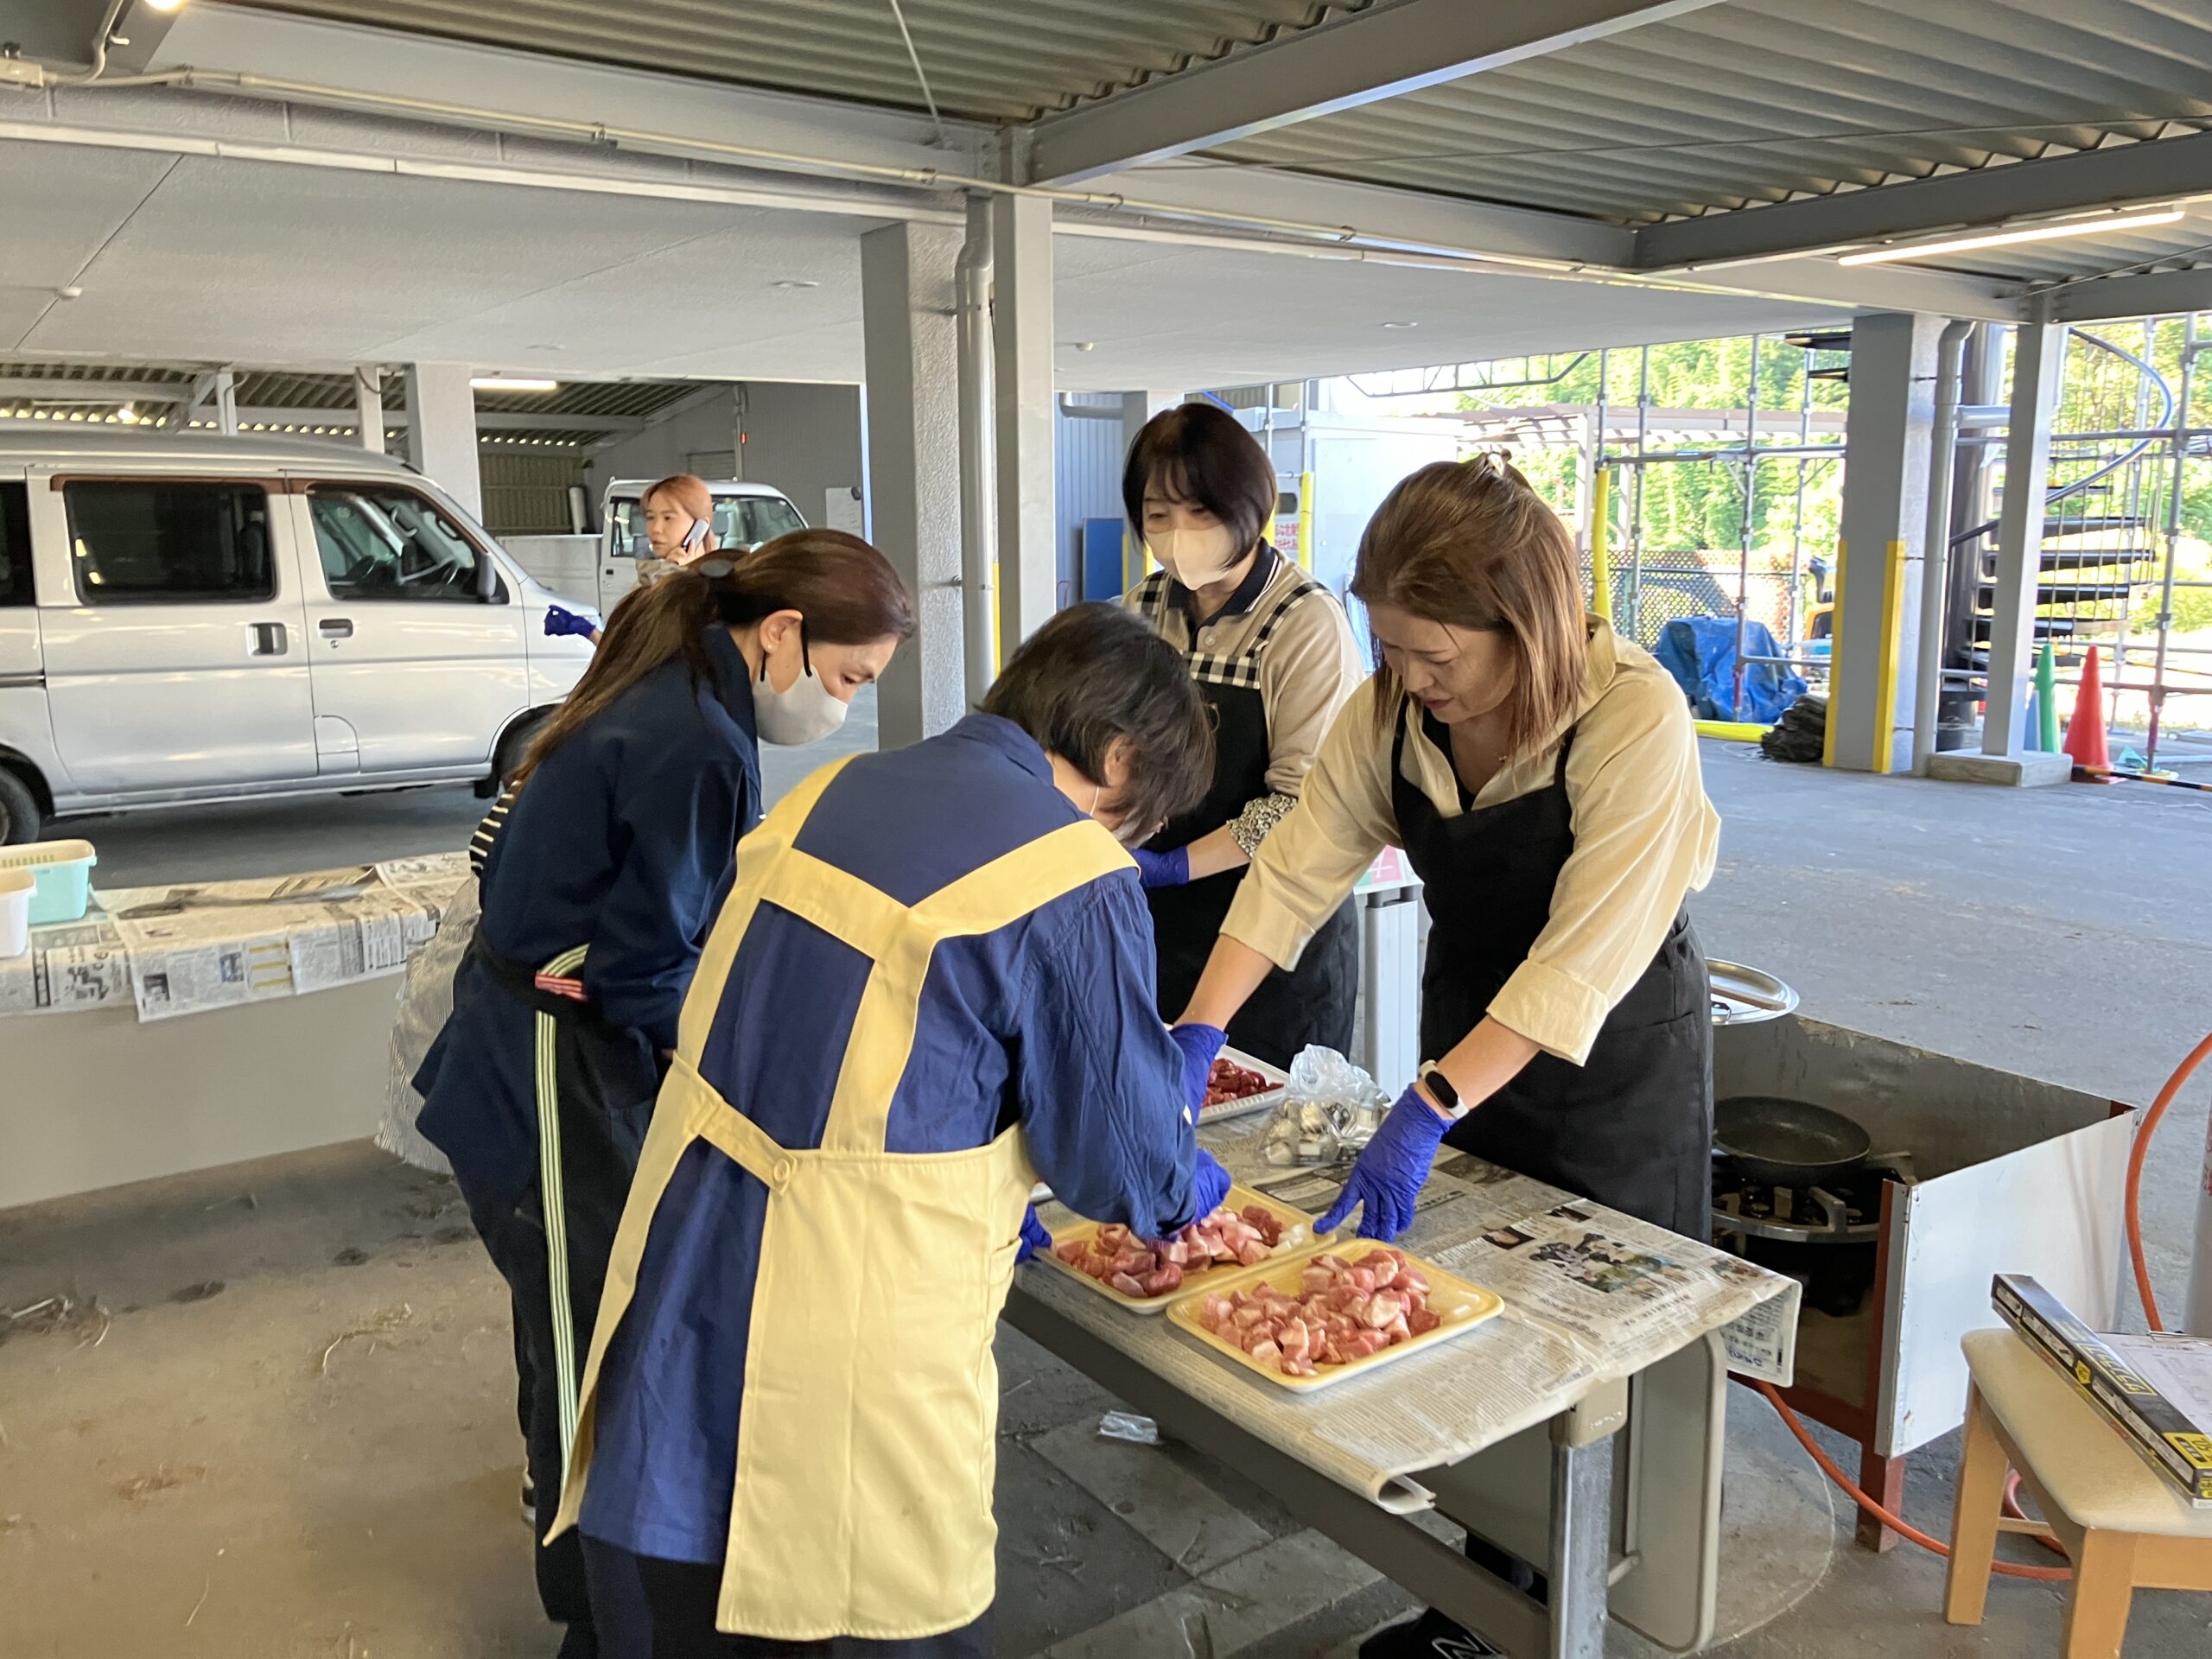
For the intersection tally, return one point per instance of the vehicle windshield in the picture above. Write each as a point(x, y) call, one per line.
point(740, 521)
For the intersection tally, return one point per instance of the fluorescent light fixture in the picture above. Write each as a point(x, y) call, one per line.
point(2095, 226)
point(1400, 325)
point(163, 5)
point(511, 383)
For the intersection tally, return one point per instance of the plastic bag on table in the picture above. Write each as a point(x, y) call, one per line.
point(1331, 1110)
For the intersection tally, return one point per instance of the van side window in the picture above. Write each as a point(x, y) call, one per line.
point(169, 541)
point(378, 541)
point(15, 545)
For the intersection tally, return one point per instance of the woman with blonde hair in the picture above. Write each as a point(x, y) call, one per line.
point(1541, 774)
point(678, 516)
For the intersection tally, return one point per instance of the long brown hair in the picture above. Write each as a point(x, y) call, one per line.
point(1472, 544)
point(846, 590)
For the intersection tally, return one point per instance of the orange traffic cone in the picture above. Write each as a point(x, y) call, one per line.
point(2085, 732)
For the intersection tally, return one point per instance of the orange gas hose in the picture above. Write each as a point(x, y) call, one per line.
point(2136, 1159)
point(1898, 1524)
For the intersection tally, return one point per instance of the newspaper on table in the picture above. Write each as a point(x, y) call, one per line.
point(1591, 1295)
point(191, 947)
point(70, 967)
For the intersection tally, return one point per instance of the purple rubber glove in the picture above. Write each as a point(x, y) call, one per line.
point(1163, 869)
point(1388, 1174)
point(1201, 1046)
point(1033, 1235)
point(558, 622)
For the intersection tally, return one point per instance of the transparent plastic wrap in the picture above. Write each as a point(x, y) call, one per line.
point(1329, 1110)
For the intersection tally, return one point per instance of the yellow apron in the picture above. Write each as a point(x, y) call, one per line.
point(867, 1438)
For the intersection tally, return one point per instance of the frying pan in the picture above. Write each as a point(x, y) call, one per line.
point(1790, 1142)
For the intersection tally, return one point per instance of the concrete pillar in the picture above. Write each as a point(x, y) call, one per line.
point(1884, 520)
point(2038, 367)
point(1021, 323)
point(910, 339)
point(368, 402)
point(226, 403)
point(442, 430)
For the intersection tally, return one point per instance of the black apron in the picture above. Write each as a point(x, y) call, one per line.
point(1631, 1128)
point(1313, 1003)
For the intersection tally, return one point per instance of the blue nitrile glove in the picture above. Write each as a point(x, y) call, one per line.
point(1389, 1172)
point(1163, 869)
point(1201, 1046)
point(1033, 1235)
point(558, 622)
point(1208, 1186)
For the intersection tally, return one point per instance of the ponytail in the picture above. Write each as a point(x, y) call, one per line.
point(846, 590)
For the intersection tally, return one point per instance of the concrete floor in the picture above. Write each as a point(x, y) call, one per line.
point(317, 1456)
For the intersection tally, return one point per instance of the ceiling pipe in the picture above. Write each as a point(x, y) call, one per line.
point(978, 456)
point(1935, 543)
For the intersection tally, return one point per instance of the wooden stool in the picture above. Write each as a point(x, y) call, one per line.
point(2121, 1525)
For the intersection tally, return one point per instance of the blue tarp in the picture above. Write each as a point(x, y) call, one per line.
point(1699, 652)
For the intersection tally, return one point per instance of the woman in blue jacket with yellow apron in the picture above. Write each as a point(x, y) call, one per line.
point(1541, 774)
point(932, 984)
point(616, 845)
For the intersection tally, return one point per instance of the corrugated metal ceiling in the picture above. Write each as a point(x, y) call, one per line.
point(1762, 100)
point(315, 394)
point(1731, 106)
point(985, 60)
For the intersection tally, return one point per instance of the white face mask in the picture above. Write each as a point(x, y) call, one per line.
point(803, 712)
point(1124, 832)
point(1196, 557)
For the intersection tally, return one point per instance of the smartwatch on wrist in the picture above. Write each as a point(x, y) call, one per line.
point(1441, 1091)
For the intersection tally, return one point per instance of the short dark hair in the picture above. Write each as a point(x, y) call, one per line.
point(1095, 673)
point(1199, 453)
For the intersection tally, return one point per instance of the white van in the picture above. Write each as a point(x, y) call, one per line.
point(187, 618)
point(746, 515)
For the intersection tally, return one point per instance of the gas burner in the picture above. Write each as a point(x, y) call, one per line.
point(1837, 1209)
point(1798, 1230)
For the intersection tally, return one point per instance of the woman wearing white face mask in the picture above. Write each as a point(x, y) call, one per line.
point(618, 846)
point(1271, 651)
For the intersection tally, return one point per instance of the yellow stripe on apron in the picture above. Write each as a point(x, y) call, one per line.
point(867, 1436)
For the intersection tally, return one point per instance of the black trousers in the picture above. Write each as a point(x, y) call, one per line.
point(516, 1244)
point(653, 1609)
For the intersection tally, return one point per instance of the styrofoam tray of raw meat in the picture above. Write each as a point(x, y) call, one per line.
point(1295, 1234)
point(1420, 1306)
point(1244, 1105)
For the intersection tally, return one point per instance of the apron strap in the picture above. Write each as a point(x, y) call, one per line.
point(553, 1197)
point(756, 857)
point(984, 901)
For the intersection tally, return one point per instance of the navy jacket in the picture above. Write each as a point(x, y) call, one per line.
point(624, 840)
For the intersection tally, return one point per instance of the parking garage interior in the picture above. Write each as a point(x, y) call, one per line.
point(1857, 345)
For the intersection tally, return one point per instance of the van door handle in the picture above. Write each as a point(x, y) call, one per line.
point(335, 628)
point(268, 639)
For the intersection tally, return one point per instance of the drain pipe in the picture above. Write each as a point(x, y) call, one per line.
point(1935, 557)
point(978, 468)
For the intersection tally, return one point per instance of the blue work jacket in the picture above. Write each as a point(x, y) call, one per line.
point(1048, 1023)
point(623, 841)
